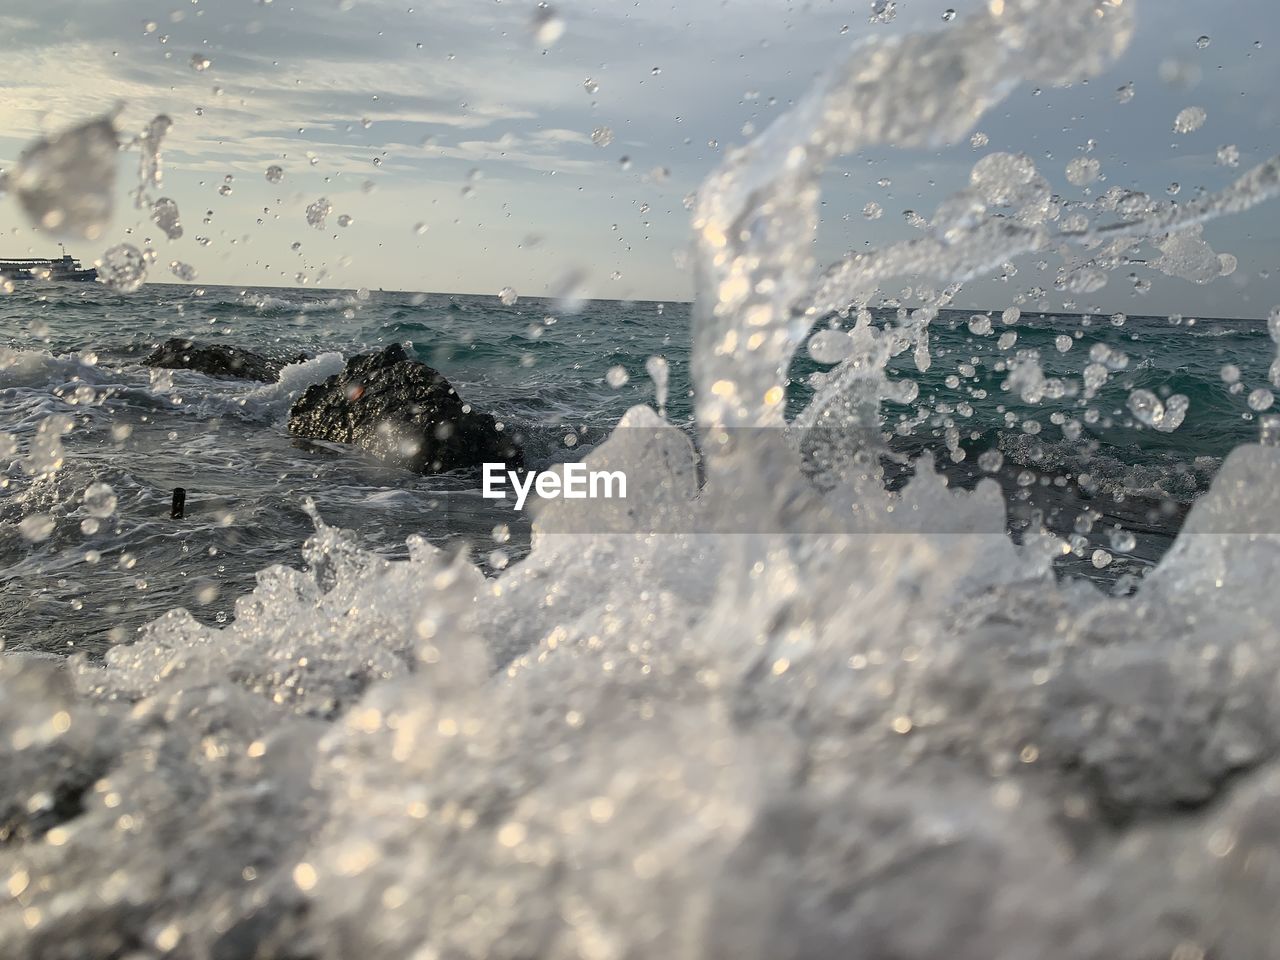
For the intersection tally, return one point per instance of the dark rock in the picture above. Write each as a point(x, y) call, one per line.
point(403, 412)
point(214, 359)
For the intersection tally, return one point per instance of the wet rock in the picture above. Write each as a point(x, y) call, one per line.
point(403, 412)
point(214, 359)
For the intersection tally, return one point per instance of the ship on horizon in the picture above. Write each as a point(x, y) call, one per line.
point(65, 268)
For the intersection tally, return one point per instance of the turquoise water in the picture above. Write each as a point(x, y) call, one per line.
point(75, 351)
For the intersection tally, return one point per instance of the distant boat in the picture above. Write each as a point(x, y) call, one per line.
point(64, 269)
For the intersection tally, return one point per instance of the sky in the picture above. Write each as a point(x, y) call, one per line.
point(459, 142)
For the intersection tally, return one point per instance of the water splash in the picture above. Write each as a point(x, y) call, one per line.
point(150, 161)
point(773, 744)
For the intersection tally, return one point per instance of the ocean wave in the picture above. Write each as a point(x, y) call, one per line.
point(271, 303)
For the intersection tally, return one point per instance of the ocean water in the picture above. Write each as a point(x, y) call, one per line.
point(75, 350)
point(935, 643)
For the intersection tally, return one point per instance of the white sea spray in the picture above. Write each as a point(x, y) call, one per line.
point(776, 743)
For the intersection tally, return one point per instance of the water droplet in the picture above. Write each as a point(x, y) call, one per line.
point(548, 26)
point(1122, 541)
point(590, 86)
point(1190, 120)
point(1125, 94)
point(275, 173)
point(948, 15)
point(1261, 399)
point(122, 269)
point(99, 500)
point(200, 63)
point(616, 377)
point(990, 461)
point(979, 140)
point(1083, 171)
point(1229, 155)
point(318, 211)
point(883, 11)
point(164, 212)
point(1202, 42)
point(65, 183)
point(602, 136)
point(873, 211)
point(183, 271)
point(508, 296)
point(658, 371)
point(345, 220)
point(979, 325)
point(1063, 343)
point(656, 71)
point(36, 527)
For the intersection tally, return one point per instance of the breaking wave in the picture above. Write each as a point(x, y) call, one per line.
point(904, 739)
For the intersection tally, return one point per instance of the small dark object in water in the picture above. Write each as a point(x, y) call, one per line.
point(179, 508)
point(403, 412)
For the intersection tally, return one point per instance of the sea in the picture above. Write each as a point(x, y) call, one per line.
point(1073, 458)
